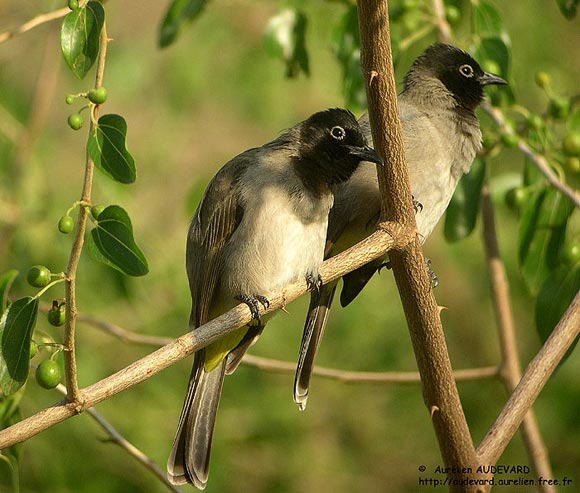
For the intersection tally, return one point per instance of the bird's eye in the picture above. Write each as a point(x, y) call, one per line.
point(337, 133)
point(466, 70)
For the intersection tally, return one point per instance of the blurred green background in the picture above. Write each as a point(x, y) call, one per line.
point(189, 109)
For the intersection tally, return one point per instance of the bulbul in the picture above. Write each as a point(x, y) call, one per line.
point(441, 136)
point(260, 225)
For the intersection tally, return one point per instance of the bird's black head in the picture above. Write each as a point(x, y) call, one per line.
point(456, 69)
point(332, 146)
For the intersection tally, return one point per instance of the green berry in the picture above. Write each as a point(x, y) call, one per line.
point(516, 198)
point(33, 349)
point(97, 96)
point(543, 79)
point(452, 14)
point(96, 210)
point(73, 4)
point(56, 314)
point(48, 374)
point(509, 139)
point(535, 122)
point(570, 254)
point(38, 276)
point(75, 121)
point(573, 164)
point(559, 108)
point(65, 225)
point(70, 99)
point(571, 144)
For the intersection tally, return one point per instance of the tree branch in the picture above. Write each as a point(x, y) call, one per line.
point(539, 162)
point(535, 377)
point(510, 371)
point(390, 235)
point(126, 445)
point(34, 22)
point(73, 395)
point(439, 389)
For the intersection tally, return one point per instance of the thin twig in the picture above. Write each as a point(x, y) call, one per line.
point(535, 377)
point(126, 445)
point(367, 250)
point(443, 29)
point(34, 22)
point(73, 395)
point(345, 376)
point(275, 365)
point(539, 161)
point(511, 372)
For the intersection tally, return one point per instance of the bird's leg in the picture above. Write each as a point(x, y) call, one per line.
point(432, 276)
point(313, 282)
point(252, 302)
point(418, 206)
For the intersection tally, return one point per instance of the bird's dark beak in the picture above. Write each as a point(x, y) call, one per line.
point(486, 79)
point(365, 153)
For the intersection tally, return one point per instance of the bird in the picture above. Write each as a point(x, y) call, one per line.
point(260, 225)
point(441, 137)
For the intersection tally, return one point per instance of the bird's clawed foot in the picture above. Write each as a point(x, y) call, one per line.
point(432, 276)
point(252, 302)
point(384, 265)
point(314, 282)
point(418, 206)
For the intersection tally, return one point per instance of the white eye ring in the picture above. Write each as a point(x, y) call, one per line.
point(337, 133)
point(467, 71)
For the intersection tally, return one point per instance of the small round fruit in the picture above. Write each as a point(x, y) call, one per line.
point(56, 314)
point(70, 99)
point(571, 144)
point(73, 4)
point(543, 79)
point(66, 225)
point(38, 276)
point(48, 374)
point(573, 164)
point(509, 139)
point(33, 349)
point(96, 210)
point(535, 122)
point(75, 121)
point(571, 254)
point(516, 198)
point(452, 14)
point(559, 108)
point(98, 96)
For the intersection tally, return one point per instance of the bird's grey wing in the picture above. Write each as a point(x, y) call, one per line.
point(215, 220)
point(217, 217)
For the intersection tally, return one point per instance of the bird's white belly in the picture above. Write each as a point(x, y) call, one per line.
point(281, 248)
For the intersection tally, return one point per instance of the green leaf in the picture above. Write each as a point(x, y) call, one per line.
point(9, 481)
point(569, 8)
point(285, 38)
point(113, 239)
point(554, 297)
point(346, 44)
point(179, 12)
point(107, 148)
point(16, 327)
point(461, 215)
point(486, 20)
point(542, 233)
point(6, 281)
point(80, 37)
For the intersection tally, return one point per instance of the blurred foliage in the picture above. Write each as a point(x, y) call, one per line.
point(213, 92)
